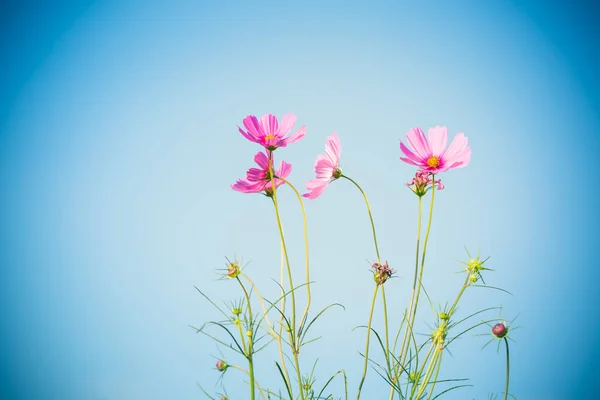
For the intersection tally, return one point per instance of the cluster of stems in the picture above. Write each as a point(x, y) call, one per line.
point(411, 374)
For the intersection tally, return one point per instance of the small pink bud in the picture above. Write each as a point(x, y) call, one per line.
point(222, 366)
point(499, 330)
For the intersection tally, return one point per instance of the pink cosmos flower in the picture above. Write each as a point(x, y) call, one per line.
point(327, 168)
point(259, 179)
point(432, 155)
point(268, 133)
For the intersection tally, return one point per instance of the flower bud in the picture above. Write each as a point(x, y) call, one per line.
point(473, 278)
point(381, 273)
point(444, 316)
point(236, 311)
point(499, 330)
point(412, 377)
point(233, 270)
point(222, 366)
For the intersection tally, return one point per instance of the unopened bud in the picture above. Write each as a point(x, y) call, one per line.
point(222, 366)
point(500, 330)
point(233, 270)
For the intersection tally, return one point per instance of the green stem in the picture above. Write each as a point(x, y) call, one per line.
point(414, 314)
point(274, 334)
point(403, 351)
point(417, 291)
point(305, 314)
point(507, 369)
point(437, 372)
point(250, 349)
point(362, 380)
point(370, 216)
point(293, 342)
point(387, 340)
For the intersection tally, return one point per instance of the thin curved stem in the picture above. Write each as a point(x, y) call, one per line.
point(507, 369)
point(364, 374)
point(387, 340)
point(308, 298)
point(250, 349)
point(293, 341)
point(403, 351)
point(370, 216)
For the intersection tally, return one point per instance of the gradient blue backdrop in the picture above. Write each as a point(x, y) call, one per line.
point(118, 143)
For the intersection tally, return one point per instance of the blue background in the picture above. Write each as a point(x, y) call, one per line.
point(118, 143)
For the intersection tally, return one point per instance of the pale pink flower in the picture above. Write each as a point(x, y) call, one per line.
point(432, 155)
point(267, 132)
point(259, 179)
point(327, 168)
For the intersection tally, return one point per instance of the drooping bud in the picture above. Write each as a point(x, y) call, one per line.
point(499, 330)
point(222, 366)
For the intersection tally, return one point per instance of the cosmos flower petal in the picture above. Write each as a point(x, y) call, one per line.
point(438, 139)
point(409, 161)
point(410, 154)
point(459, 143)
point(268, 124)
point(287, 123)
point(416, 138)
point(295, 137)
point(333, 149)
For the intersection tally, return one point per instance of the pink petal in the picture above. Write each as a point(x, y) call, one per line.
point(269, 124)
point(316, 191)
point(244, 186)
point(262, 160)
point(416, 138)
point(294, 138)
point(253, 127)
point(459, 143)
point(284, 170)
point(333, 149)
point(464, 157)
point(287, 123)
point(255, 174)
point(248, 135)
point(411, 155)
point(409, 161)
point(310, 185)
point(438, 138)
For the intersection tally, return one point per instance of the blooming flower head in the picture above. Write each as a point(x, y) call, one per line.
point(381, 273)
point(327, 168)
point(259, 179)
point(432, 155)
point(422, 182)
point(267, 132)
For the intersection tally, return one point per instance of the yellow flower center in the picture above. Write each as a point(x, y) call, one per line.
point(433, 161)
point(269, 137)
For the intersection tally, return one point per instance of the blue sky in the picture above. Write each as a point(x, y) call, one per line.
point(118, 143)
